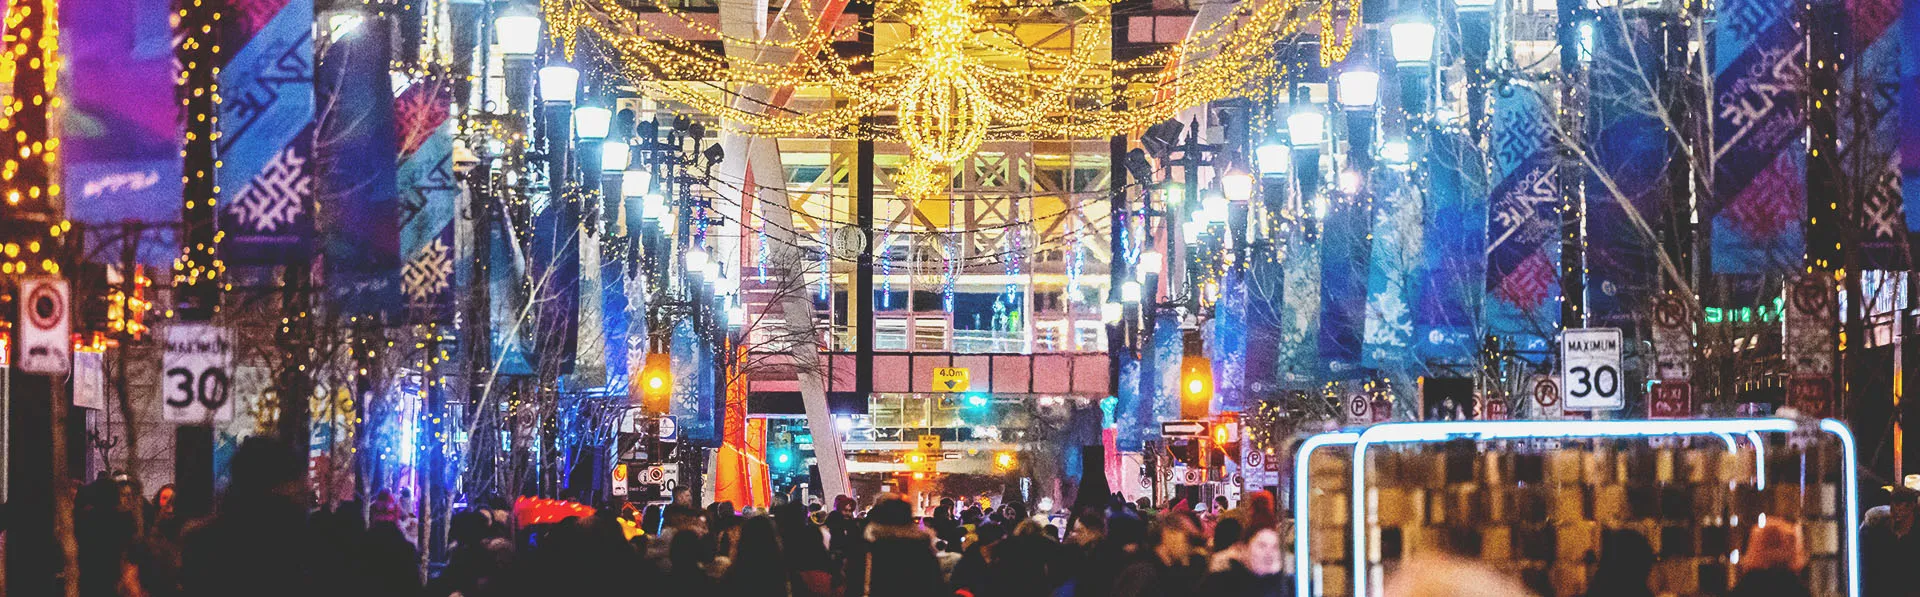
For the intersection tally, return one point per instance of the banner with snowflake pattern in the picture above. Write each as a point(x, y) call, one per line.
point(1162, 388)
point(1631, 148)
point(1448, 281)
point(1869, 126)
point(427, 193)
point(1760, 118)
point(692, 406)
point(1523, 221)
point(1226, 344)
point(1396, 251)
point(1300, 366)
point(355, 153)
point(266, 135)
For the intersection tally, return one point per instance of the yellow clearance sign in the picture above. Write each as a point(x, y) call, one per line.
point(951, 379)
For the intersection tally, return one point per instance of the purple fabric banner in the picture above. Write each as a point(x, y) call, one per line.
point(1760, 118)
point(355, 159)
point(120, 131)
point(1631, 148)
point(1870, 152)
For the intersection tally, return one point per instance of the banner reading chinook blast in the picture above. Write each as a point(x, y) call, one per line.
point(427, 194)
point(1523, 244)
point(1870, 125)
point(1760, 119)
point(266, 135)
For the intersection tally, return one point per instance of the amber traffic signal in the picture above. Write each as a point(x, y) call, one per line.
point(655, 383)
point(1196, 386)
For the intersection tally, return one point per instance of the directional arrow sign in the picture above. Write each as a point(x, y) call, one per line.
point(951, 379)
point(1183, 429)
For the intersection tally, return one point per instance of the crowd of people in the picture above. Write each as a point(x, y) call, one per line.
point(263, 539)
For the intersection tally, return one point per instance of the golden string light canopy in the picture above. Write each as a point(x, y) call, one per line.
point(962, 77)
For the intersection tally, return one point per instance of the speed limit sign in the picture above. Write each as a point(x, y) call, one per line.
point(1590, 377)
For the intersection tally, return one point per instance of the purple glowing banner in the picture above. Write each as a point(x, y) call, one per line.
point(120, 131)
point(1760, 118)
point(1870, 132)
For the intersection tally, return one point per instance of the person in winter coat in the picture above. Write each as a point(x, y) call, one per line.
point(898, 559)
point(1772, 563)
point(1255, 572)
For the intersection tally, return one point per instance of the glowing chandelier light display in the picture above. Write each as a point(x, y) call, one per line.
point(945, 84)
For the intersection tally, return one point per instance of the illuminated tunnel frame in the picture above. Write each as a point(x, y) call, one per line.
point(1302, 491)
point(1302, 475)
point(1515, 430)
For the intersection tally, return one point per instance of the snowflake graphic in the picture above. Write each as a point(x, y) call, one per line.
point(272, 199)
point(1396, 322)
point(428, 273)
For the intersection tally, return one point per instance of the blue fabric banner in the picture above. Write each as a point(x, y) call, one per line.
point(1266, 306)
point(1632, 148)
point(1395, 254)
point(1133, 412)
point(355, 155)
point(693, 406)
point(266, 142)
point(1163, 386)
point(1451, 275)
point(1759, 195)
point(1523, 244)
point(1343, 285)
point(615, 255)
point(510, 321)
point(427, 194)
point(555, 265)
point(1227, 345)
point(1300, 366)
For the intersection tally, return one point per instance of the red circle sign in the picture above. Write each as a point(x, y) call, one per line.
point(45, 309)
point(1546, 393)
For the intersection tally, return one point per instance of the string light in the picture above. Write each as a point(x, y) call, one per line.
point(28, 143)
point(198, 88)
point(950, 94)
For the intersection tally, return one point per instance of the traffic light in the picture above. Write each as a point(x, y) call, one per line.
point(655, 383)
point(1196, 386)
